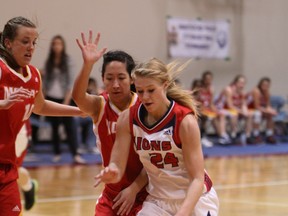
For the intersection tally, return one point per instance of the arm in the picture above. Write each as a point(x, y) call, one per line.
point(229, 100)
point(126, 198)
point(270, 109)
point(193, 158)
point(211, 102)
point(119, 156)
point(256, 99)
point(89, 104)
point(50, 108)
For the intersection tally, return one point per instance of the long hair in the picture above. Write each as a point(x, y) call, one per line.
point(50, 62)
point(10, 32)
point(157, 70)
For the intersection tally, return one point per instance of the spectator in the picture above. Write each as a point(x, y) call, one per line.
point(209, 112)
point(58, 74)
point(232, 103)
point(259, 101)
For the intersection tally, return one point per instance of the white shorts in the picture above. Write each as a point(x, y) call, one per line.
point(208, 205)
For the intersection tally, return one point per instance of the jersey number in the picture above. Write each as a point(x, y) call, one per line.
point(28, 111)
point(169, 158)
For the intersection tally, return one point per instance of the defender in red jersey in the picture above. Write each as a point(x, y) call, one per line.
point(20, 94)
point(165, 134)
point(126, 196)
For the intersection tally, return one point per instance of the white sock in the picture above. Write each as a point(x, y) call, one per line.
point(233, 134)
point(269, 132)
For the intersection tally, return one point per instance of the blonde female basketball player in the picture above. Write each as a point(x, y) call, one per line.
point(166, 136)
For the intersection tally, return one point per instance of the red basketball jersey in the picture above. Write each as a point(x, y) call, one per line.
point(12, 119)
point(106, 133)
point(205, 97)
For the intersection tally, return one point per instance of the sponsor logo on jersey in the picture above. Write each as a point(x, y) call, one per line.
point(16, 209)
point(167, 132)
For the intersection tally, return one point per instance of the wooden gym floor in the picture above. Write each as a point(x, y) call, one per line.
point(246, 186)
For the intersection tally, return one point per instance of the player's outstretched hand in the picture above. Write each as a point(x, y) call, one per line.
point(90, 52)
point(108, 175)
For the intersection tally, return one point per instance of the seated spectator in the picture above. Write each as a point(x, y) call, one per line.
point(232, 103)
point(210, 112)
point(259, 101)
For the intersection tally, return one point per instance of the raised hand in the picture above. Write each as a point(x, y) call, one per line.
point(15, 97)
point(90, 52)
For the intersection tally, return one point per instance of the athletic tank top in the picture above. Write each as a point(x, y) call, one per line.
point(12, 119)
point(159, 149)
point(105, 130)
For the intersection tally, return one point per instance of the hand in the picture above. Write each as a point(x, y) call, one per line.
point(15, 97)
point(108, 175)
point(125, 201)
point(89, 50)
point(271, 111)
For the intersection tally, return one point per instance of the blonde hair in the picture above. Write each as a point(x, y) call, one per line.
point(157, 70)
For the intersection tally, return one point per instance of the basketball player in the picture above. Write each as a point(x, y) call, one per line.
point(20, 94)
point(166, 136)
point(126, 196)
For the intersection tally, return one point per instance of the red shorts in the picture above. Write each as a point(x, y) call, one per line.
point(105, 203)
point(10, 204)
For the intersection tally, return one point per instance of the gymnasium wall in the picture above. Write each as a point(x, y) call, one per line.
point(139, 27)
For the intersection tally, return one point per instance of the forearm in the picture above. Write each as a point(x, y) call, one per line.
point(50, 108)
point(116, 161)
point(81, 83)
point(194, 193)
point(140, 181)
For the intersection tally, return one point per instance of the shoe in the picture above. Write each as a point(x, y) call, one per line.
point(224, 140)
point(79, 160)
point(56, 158)
point(250, 140)
point(94, 150)
point(82, 151)
point(271, 140)
point(258, 139)
point(206, 142)
point(30, 196)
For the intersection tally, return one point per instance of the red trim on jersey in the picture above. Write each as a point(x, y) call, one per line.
point(174, 116)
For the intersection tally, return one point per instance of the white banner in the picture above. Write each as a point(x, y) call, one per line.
point(198, 38)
